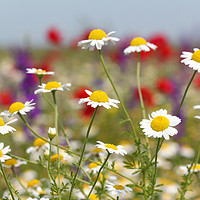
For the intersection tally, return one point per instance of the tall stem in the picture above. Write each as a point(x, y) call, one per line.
point(98, 175)
point(155, 170)
point(142, 102)
point(57, 141)
point(186, 92)
point(83, 150)
point(7, 181)
point(115, 90)
point(183, 98)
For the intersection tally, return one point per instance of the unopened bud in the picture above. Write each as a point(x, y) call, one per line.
point(51, 133)
point(46, 154)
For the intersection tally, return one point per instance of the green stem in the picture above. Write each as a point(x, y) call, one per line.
point(59, 120)
point(81, 157)
point(117, 197)
point(189, 175)
point(57, 141)
point(186, 92)
point(49, 167)
point(142, 102)
point(155, 170)
point(98, 175)
point(183, 98)
point(123, 107)
point(7, 181)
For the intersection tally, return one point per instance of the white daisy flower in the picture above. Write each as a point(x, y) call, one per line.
point(186, 151)
point(168, 185)
point(97, 38)
point(118, 189)
point(3, 152)
point(160, 124)
point(52, 86)
point(139, 44)
point(111, 148)
point(168, 150)
point(13, 163)
point(99, 98)
point(63, 157)
point(94, 167)
point(193, 169)
point(37, 150)
point(39, 72)
point(19, 107)
point(5, 128)
point(38, 199)
point(196, 107)
point(192, 59)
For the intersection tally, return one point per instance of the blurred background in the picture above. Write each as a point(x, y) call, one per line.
point(21, 20)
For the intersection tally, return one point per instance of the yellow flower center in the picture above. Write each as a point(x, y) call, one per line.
point(41, 192)
point(111, 146)
point(93, 197)
point(97, 34)
point(1, 153)
point(138, 41)
point(97, 150)
point(119, 187)
point(1, 122)
point(165, 146)
point(38, 142)
point(93, 165)
point(99, 96)
point(159, 123)
point(33, 183)
point(197, 167)
point(41, 71)
point(52, 85)
point(55, 157)
point(196, 56)
point(165, 181)
point(11, 162)
point(17, 106)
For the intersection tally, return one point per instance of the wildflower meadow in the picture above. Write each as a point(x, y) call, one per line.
point(103, 118)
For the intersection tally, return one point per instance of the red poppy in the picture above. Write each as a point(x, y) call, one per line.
point(6, 98)
point(54, 36)
point(165, 85)
point(147, 95)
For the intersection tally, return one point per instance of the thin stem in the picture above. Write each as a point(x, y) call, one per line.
point(7, 181)
point(123, 107)
point(155, 170)
point(20, 115)
point(183, 98)
point(186, 92)
point(57, 141)
point(142, 102)
point(189, 175)
point(117, 197)
point(49, 164)
point(98, 175)
point(81, 157)
point(59, 120)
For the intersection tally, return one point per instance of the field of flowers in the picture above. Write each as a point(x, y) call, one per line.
point(103, 118)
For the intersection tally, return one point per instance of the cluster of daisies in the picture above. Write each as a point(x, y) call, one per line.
point(160, 123)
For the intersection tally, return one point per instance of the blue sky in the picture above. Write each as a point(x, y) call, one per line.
point(19, 18)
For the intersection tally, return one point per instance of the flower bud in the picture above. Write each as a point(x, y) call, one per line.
point(51, 133)
point(46, 154)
